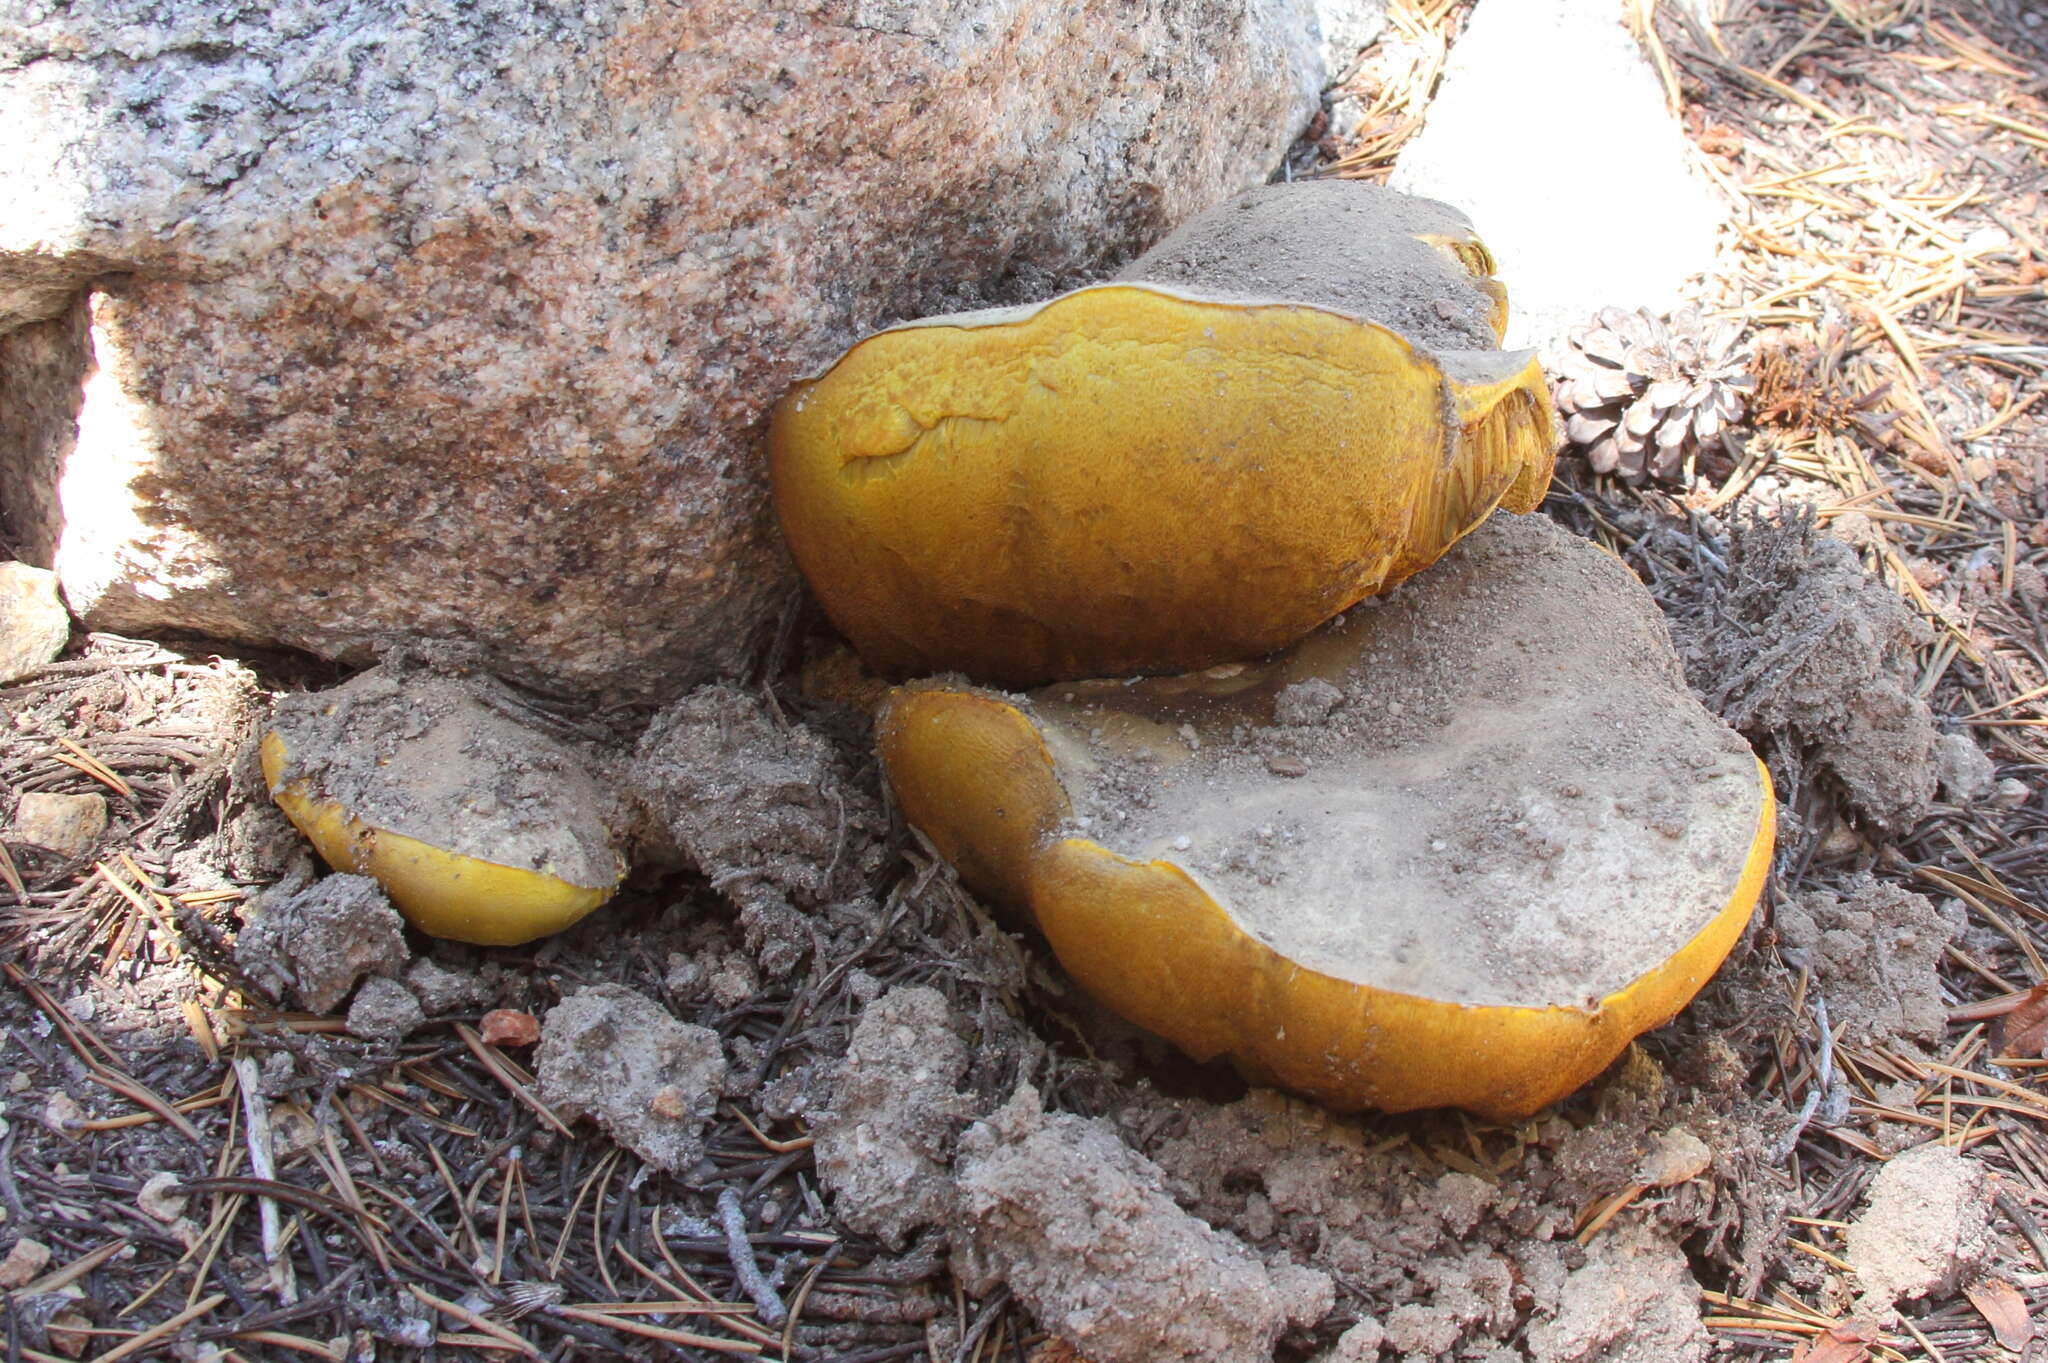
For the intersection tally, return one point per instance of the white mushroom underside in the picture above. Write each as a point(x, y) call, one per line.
point(1515, 801)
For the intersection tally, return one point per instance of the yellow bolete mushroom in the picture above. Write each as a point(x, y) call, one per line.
point(480, 828)
point(1294, 401)
point(1457, 847)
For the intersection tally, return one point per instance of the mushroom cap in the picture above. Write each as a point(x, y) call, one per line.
point(479, 828)
point(1497, 840)
point(1150, 475)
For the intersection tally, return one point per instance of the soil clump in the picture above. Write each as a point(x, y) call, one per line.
point(1633, 1300)
point(318, 941)
point(1797, 640)
point(1926, 1228)
point(648, 1079)
point(765, 809)
point(884, 1147)
point(1081, 1229)
point(1875, 950)
point(385, 1010)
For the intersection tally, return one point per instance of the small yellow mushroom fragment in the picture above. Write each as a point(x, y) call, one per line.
point(1457, 848)
point(480, 828)
point(1293, 402)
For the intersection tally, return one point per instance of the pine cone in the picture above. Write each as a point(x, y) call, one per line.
point(1640, 396)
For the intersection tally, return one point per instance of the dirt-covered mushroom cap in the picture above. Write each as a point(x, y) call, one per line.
point(1291, 403)
point(1415, 266)
point(480, 827)
point(1456, 848)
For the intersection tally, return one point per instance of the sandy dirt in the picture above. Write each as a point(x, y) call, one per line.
point(1081, 1228)
point(1432, 795)
point(1368, 260)
point(763, 809)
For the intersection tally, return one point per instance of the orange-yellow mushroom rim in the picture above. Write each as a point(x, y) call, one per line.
point(1150, 944)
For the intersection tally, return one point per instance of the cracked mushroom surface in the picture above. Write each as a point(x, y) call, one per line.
point(480, 827)
point(1458, 847)
point(1294, 401)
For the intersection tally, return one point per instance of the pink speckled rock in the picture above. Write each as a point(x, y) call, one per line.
point(331, 324)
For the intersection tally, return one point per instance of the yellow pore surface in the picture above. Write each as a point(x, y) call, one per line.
point(1131, 480)
point(1150, 944)
point(441, 892)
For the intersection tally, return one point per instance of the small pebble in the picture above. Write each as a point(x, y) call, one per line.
point(509, 1027)
point(24, 1263)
